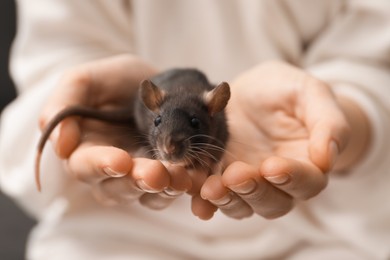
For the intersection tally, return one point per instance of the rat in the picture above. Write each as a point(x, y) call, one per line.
point(179, 111)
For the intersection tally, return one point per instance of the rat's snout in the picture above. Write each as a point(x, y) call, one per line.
point(173, 148)
point(169, 148)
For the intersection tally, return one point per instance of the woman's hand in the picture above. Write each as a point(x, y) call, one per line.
point(286, 132)
point(99, 153)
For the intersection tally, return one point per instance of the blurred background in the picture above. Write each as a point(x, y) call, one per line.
point(14, 224)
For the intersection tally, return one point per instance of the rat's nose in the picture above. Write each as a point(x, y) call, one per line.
point(173, 148)
point(169, 148)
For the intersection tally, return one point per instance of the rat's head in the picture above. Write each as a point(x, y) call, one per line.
point(183, 121)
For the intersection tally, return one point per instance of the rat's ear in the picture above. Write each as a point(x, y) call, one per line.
point(217, 99)
point(151, 95)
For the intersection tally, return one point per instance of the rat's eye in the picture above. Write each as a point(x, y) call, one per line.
point(195, 122)
point(157, 121)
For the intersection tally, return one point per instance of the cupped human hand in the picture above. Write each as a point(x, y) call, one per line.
point(286, 132)
point(103, 154)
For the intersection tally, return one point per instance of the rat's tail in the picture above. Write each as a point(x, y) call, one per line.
point(37, 172)
point(122, 116)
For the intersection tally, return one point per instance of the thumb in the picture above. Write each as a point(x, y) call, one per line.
point(327, 124)
point(66, 132)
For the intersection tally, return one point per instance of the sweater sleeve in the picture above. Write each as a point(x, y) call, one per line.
point(51, 37)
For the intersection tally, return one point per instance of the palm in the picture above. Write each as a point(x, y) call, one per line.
point(265, 121)
point(259, 141)
point(285, 127)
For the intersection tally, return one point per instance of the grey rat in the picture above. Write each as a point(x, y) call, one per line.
point(179, 111)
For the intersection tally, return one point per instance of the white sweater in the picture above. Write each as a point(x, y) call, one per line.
point(346, 43)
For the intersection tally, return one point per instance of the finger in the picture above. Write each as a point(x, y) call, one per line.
point(264, 199)
point(328, 127)
point(92, 164)
point(147, 178)
point(66, 137)
point(117, 191)
point(72, 90)
point(302, 180)
point(150, 175)
point(180, 182)
point(63, 131)
point(198, 177)
point(228, 202)
point(202, 208)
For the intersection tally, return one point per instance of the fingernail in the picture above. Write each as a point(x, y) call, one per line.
point(278, 179)
point(172, 193)
point(333, 153)
point(143, 186)
point(245, 187)
point(222, 201)
point(110, 172)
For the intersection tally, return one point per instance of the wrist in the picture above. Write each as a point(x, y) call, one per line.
point(359, 139)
